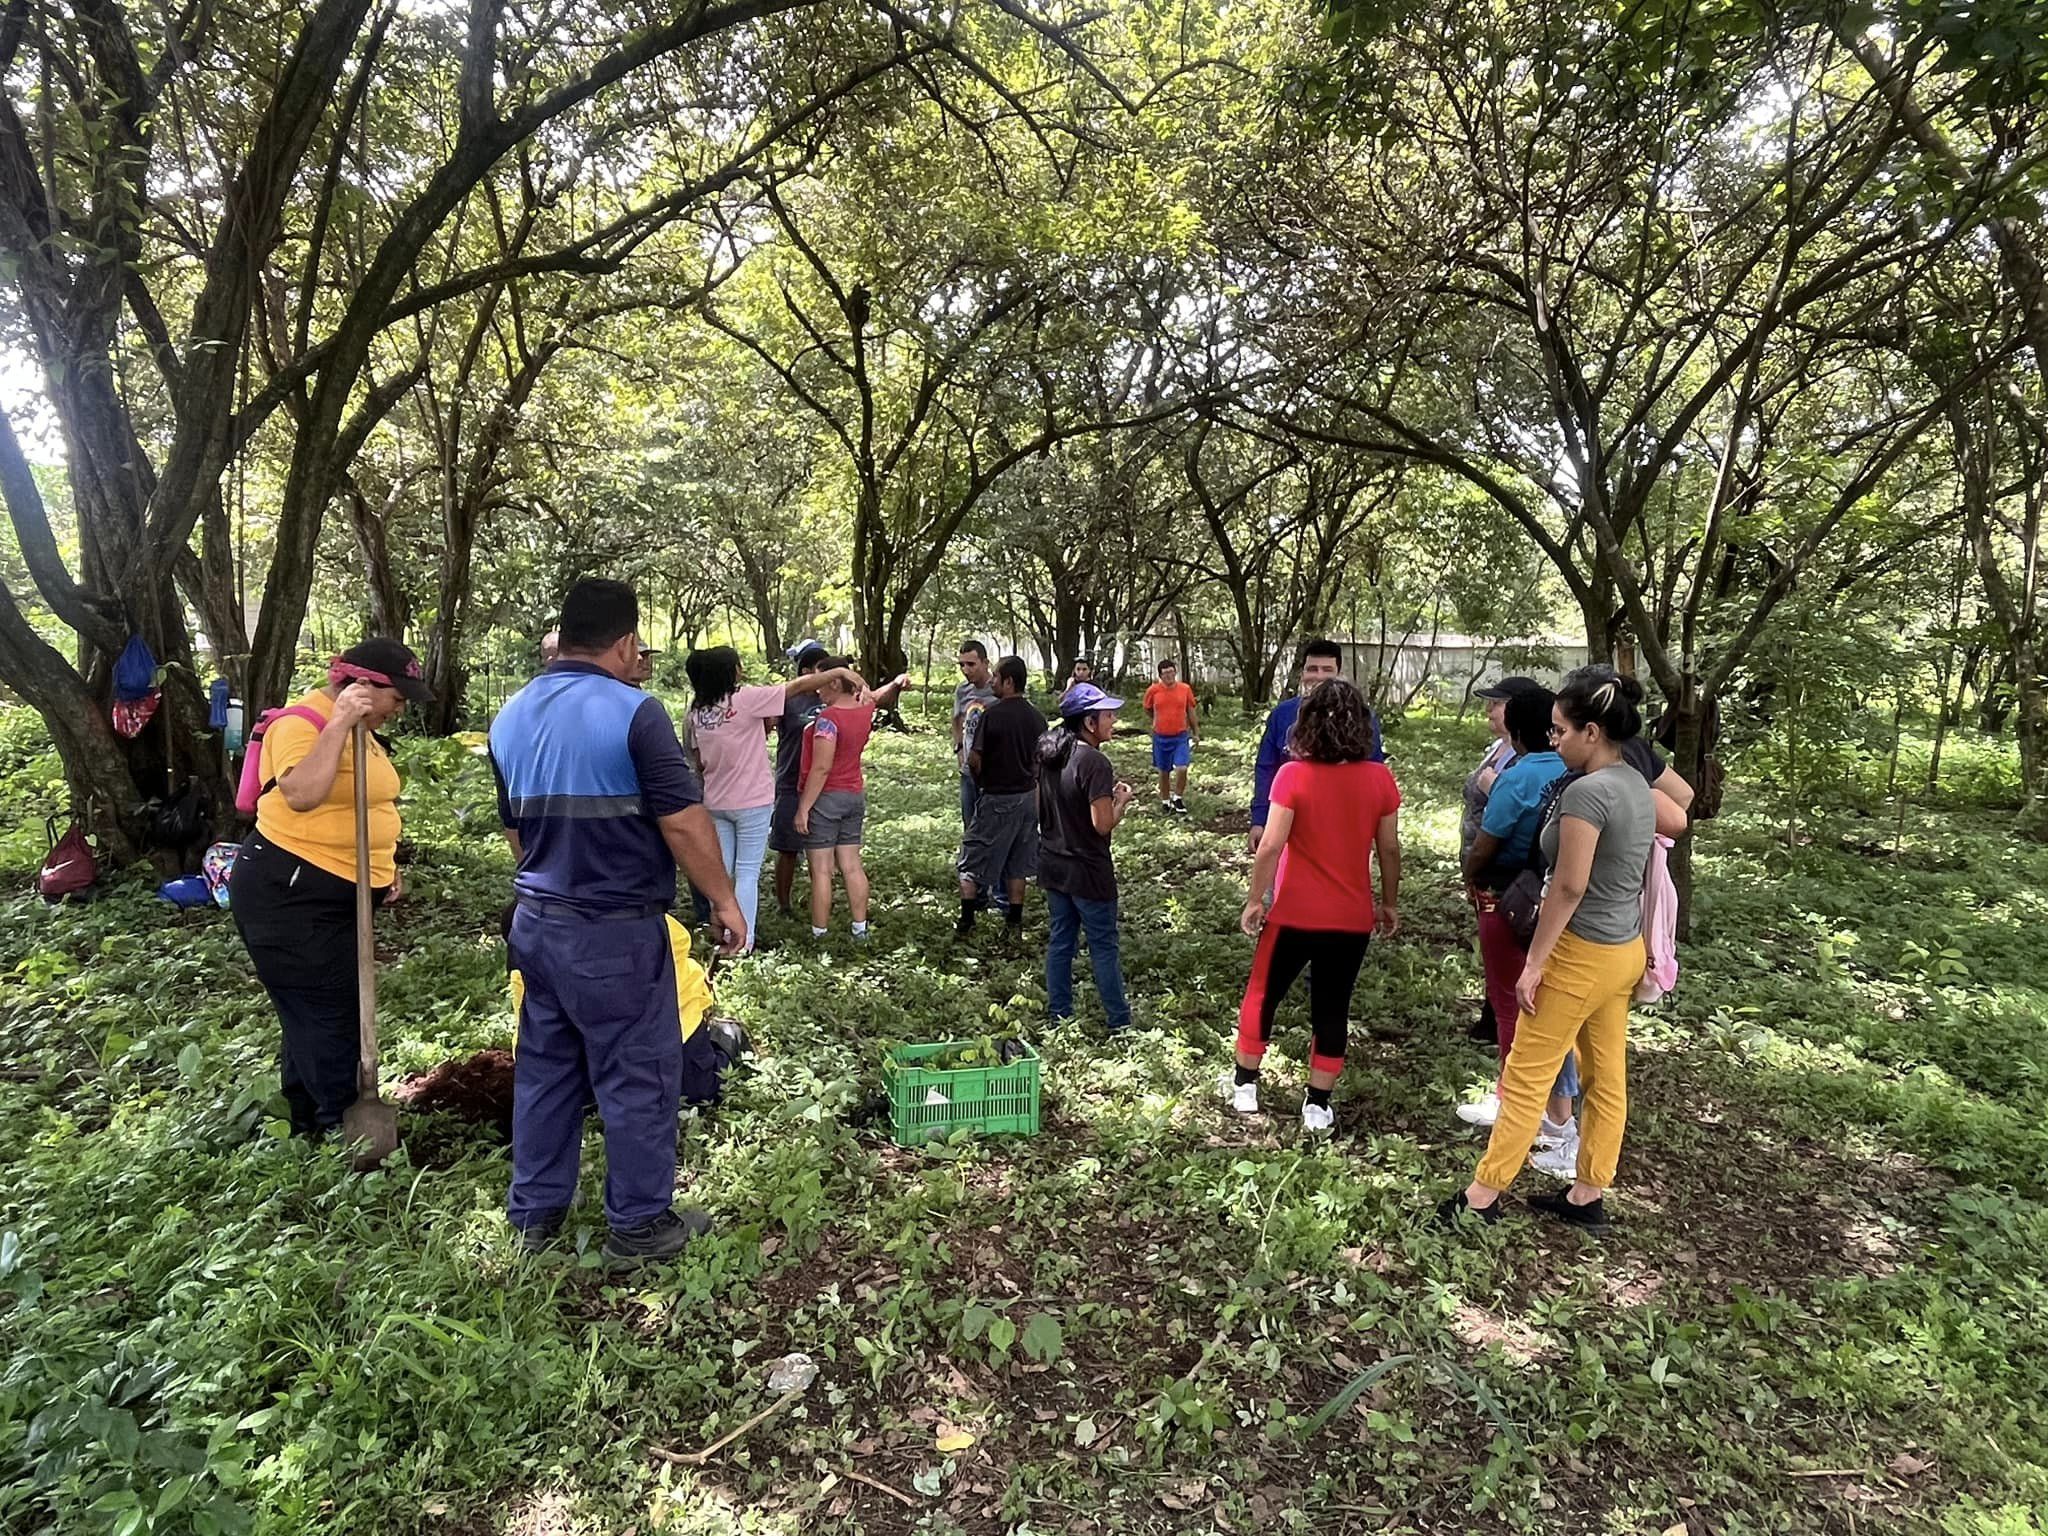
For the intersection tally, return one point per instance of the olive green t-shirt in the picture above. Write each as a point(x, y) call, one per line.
point(1617, 801)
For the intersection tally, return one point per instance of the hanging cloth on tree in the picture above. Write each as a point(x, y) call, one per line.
point(135, 671)
point(131, 715)
point(217, 705)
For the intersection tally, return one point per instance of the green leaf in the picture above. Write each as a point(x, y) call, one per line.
point(1002, 1333)
point(190, 1060)
point(1043, 1340)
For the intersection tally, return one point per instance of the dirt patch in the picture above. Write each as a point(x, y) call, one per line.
point(1229, 823)
point(476, 1088)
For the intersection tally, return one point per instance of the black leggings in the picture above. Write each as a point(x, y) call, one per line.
point(298, 923)
point(1332, 960)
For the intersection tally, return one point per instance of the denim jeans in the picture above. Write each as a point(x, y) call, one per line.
point(1070, 916)
point(743, 840)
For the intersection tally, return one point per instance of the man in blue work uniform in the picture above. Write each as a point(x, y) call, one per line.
point(1321, 660)
point(600, 806)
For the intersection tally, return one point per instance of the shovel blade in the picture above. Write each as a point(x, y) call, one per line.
point(370, 1126)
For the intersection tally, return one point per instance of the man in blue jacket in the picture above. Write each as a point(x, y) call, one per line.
point(600, 807)
point(1321, 660)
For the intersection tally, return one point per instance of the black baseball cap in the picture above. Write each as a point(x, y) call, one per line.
point(1507, 688)
point(392, 663)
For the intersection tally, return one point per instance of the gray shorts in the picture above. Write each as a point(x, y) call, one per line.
point(782, 830)
point(1002, 844)
point(837, 820)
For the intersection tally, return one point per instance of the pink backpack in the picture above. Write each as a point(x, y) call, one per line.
point(253, 786)
point(1660, 926)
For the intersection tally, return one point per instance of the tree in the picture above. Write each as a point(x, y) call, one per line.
point(164, 237)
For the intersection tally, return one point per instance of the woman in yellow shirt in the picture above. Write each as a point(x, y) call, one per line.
point(293, 887)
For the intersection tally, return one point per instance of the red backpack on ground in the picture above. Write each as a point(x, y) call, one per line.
point(71, 869)
point(252, 786)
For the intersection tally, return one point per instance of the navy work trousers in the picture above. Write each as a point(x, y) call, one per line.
point(599, 1023)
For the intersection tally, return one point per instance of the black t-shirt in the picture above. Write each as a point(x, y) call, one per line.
point(1073, 858)
point(1644, 758)
point(798, 711)
point(1006, 734)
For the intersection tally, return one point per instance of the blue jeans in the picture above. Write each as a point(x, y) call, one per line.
point(743, 840)
point(1070, 915)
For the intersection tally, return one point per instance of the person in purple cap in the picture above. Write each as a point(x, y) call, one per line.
point(1080, 802)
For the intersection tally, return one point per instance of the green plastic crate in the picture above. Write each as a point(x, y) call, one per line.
point(990, 1100)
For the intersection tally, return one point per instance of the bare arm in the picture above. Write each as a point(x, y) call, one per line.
point(1386, 844)
point(309, 781)
point(823, 749)
point(1279, 822)
point(1577, 839)
point(1109, 810)
point(693, 842)
point(512, 842)
point(1671, 818)
point(1679, 792)
point(811, 682)
point(889, 692)
point(1480, 856)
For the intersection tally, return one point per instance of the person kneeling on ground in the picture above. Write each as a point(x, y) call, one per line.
point(710, 1045)
point(1080, 803)
point(1001, 851)
point(1332, 809)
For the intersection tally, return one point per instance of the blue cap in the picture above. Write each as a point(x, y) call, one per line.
point(1086, 699)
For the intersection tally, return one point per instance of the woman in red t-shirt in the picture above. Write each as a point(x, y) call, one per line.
point(1332, 809)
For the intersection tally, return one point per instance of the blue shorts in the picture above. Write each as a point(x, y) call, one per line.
point(1172, 751)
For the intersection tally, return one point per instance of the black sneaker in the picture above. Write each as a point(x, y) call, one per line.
point(662, 1238)
point(1180, 806)
point(539, 1235)
point(964, 929)
point(1590, 1217)
point(1448, 1214)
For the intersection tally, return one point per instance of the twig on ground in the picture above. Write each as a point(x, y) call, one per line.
point(879, 1486)
point(698, 1458)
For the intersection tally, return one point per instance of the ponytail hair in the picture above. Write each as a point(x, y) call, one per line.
point(1601, 696)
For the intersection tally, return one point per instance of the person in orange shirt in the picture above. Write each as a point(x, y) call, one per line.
point(1175, 727)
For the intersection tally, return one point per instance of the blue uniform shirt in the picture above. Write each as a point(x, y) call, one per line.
point(586, 765)
point(1273, 752)
point(1514, 809)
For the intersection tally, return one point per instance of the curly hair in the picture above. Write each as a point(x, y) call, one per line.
point(1334, 725)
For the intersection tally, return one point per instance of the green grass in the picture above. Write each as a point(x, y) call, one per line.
point(1826, 1311)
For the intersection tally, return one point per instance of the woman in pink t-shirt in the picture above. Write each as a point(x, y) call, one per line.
point(726, 732)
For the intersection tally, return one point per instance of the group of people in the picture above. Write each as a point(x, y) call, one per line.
point(603, 801)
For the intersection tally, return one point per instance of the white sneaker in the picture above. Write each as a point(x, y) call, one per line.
point(1317, 1118)
point(1560, 1161)
point(1483, 1112)
point(1244, 1098)
point(1550, 1134)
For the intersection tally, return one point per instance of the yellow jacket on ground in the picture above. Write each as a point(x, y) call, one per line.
point(693, 987)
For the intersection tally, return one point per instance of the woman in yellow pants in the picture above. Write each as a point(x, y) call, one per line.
point(1585, 959)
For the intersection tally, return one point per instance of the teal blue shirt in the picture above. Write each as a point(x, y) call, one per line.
point(1514, 808)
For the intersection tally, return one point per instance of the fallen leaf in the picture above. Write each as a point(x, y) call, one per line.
point(1906, 1464)
point(951, 1439)
point(1677, 1530)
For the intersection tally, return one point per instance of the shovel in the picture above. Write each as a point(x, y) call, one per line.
point(369, 1123)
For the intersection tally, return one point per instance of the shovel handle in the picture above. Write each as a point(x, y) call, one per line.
point(366, 937)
